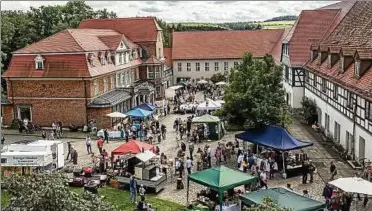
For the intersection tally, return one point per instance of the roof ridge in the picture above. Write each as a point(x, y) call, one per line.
point(72, 36)
point(229, 31)
point(114, 19)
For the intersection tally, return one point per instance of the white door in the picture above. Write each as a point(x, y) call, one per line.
point(60, 156)
point(362, 148)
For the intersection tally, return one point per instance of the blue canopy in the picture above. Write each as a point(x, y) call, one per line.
point(273, 137)
point(139, 113)
point(147, 107)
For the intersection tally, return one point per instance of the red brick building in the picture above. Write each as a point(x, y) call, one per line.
point(82, 74)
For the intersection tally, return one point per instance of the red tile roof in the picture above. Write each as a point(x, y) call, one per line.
point(152, 60)
point(223, 44)
point(56, 66)
point(309, 28)
point(276, 52)
point(113, 41)
point(136, 29)
point(353, 34)
point(168, 56)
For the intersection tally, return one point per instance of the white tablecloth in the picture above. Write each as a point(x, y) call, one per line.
point(188, 107)
point(234, 207)
point(112, 134)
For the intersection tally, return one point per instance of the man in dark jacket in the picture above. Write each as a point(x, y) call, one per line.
point(311, 171)
point(305, 171)
point(106, 134)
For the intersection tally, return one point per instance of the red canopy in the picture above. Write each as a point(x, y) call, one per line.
point(133, 147)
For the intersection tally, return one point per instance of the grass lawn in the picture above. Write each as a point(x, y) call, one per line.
point(120, 198)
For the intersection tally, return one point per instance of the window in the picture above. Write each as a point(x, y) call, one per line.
point(335, 91)
point(342, 63)
point(307, 76)
point(105, 85)
point(125, 57)
point(349, 102)
point(179, 66)
point(206, 67)
point(226, 66)
point(135, 55)
point(112, 81)
point(236, 64)
point(157, 72)
point(357, 68)
point(324, 85)
point(286, 73)
point(95, 86)
point(39, 62)
point(91, 59)
point(140, 52)
point(197, 66)
point(216, 66)
point(151, 73)
point(285, 49)
point(120, 58)
point(314, 82)
point(121, 45)
point(102, 59)
point(188, 67)
point(122, 79)
point(369, 110)
point(327, 119)
point(337, 133)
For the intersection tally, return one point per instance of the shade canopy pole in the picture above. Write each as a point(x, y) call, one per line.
point(187, 195)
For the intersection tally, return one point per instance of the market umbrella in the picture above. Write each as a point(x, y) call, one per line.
point(221, 83)
point(139, 113)
point(353, 185)
point(132, 147)
point(116, 115)
point(202, 82)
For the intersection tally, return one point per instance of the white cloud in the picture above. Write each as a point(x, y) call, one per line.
point(197, 11)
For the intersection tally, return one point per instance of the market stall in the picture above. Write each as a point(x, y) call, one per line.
point(353, 185)
point(171, 91)
point(209, 105)
point(213, 126)
point(132, 147)
point(116, 115)
point(221, 179)
point(112, 134)
point(221, 83)
point(139, 113)
point(285, 199)
point(280, 140)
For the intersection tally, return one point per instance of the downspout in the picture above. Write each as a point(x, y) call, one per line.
point(14, 106)
point(354, 127)
point(86, 101)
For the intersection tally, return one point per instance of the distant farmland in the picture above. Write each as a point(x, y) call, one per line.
point(276, 24)
point(265, 25)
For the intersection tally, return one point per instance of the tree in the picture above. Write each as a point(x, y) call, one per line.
point(218, 77)
point(309, 110)
point(255, 95)
point(267, 205)
point(40, 192)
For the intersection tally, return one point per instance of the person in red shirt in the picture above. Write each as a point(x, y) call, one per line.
point(100, 145)
point(105, 158)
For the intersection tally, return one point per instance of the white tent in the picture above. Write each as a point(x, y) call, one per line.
point(353, 185)
point(171, 91)
point(116, 115)
point(220, 102)
point(145, 156)
point(221, 83)
point(202, 82)
point(209, 105)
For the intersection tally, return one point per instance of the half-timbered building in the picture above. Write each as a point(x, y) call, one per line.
point(339, 79)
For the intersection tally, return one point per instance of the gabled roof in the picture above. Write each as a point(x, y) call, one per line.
point(75, 40)
point(152, 60)
point(168, 56)
point(136, 29)
point(277, 49)
point(309, 28)
point(223, 44)
point(113, 41)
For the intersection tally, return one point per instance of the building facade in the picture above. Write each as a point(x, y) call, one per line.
point(338, 77)
point(79, 75)
point(200, 55)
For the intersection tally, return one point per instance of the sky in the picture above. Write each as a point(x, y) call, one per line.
point(190, 11)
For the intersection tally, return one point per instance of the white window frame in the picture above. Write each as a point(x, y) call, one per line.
point(105, 84)
point(95, 87)
point(216, 66)
point(39, 60)
point(122, 79)
point(188, 66)
point(335, 92)
point(103, 62)
point(369, 110)
point(157, 72)
point(151, 73)
point(226, 66)
point(179, 67)
point(112, 82)
point(206, 66)
point(236, 64)
point(324, 85)
point(197, 66)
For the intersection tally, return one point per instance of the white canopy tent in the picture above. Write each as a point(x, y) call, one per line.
point(117, 115)
point(171, 91)
point(209, 105)
point(353, 185)
point(202, 82)
point(221, 83)
point(145, 156)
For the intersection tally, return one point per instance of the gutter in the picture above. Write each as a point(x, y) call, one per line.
point(86, 101)
point(14, 107)
point(354, 127)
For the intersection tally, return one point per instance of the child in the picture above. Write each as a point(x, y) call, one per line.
point(142, 191)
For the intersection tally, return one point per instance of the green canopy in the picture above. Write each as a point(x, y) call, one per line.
point(220, 179)
point(285, 198)
point(206, 119)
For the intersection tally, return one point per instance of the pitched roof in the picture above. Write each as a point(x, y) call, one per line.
point(57, 66)
point(136, 29)
point(353, 34)
point(309, 28)
point(76, 40)
point(223, 44)
point(277, 49)
point(168, 56)
point(152, 60)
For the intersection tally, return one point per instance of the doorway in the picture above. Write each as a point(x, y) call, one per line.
point(362, 148)
point(25, 112)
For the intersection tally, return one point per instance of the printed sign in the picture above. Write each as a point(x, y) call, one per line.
point(25, 160)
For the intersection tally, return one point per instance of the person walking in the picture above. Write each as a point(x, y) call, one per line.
point(106, 134)
point(163, 131)
point(191, 150)
point(2, 140)
point(199, 159)
point(305, 171)
point(188, 165)
point(133, 189)
point(311, 171)
point(333, 171)
point(69, 152)
point(100, 145)
point(88, 143)
point(74, 157)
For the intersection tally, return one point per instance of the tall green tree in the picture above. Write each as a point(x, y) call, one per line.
point(218, 77)
point(41, 192)
point(255, 95)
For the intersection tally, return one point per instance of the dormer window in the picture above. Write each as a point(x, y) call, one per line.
point(342, 63)
point(39, 63)
point(121, 45)
point(108, 57)
point(102, 59)
point(140, 52)
point(314, 55)
point(91, 59)
point(357, 68)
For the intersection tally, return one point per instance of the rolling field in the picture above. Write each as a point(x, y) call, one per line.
point(277, 24)
point(265, 25)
